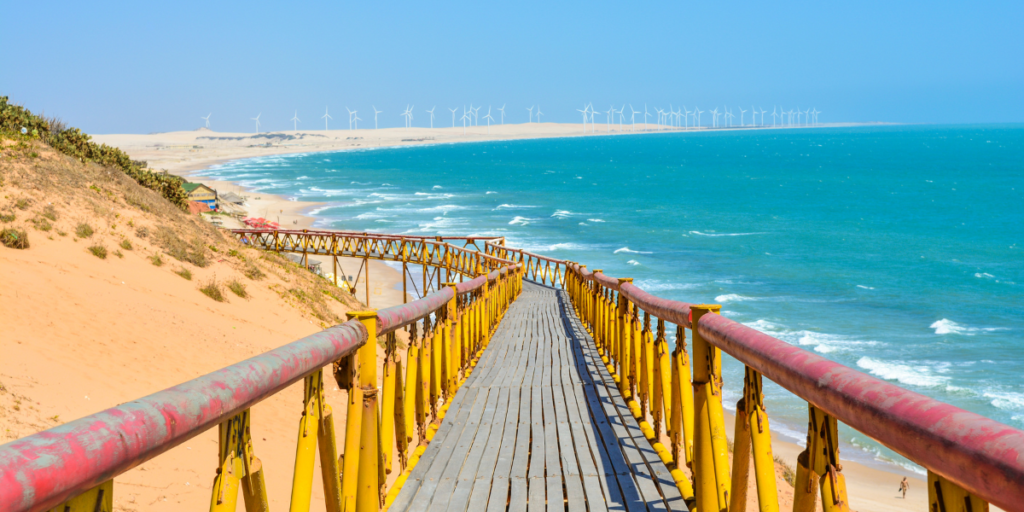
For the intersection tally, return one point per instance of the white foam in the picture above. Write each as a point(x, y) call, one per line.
point(633, 262)
point(444, 208)
point(913, 375)
point(947, 326)
point(984, 275)
point(629, 251)
point(1006, 400)
point(732, 297)
point(512, 206)
point(436, 187)
point(865, 287)
point(490, 192)
point(561, 214)
point(519, 221)
point(594, 220)
point(724, 234)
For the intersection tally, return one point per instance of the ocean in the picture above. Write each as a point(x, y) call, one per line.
point(894, 250)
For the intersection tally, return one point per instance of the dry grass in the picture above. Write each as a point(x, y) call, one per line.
point(99, 251)
point(185, 273)
point(787, 471)
point(7, 217)
point(213, 290)
point(83, 230)
point(156, 260)
point(238, 288)
point(126, 244)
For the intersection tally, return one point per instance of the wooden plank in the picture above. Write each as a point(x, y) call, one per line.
point(488, 462)
point(467, 473)
point(440, 451)
point(445, 478)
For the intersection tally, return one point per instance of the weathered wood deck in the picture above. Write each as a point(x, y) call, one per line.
point(539, 425)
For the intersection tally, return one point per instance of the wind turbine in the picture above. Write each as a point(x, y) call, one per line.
point(539, 113)
point(699, 112)
point(464, 118)
point(375, 112)
point(632, 118)
point(687, 113)
point(753, 116)
point(609, 117)
point(773, 117)
point(763, 111)
point(584, 111)
point(714, 122)
point(454, 110)
point(661, 113)
point(531, 115)
point(207, 119)
point(489, 119)
point(621, 110)
point(646, 115)
point(431, 111)
point(257, 119)
point(476, 115)
point(356, 119)
point(408, 117)
point(326, 117)
point(502, 110)
point(815, 113)
point(741, 115)
point(295, 121)
point(350, 114)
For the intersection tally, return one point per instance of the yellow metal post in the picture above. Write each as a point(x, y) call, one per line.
point(353, 435)
point(623, 339)
point(824, 450)
point(740, 460)
point(97, 499)
point(329, 460)
point(805, 491)
point(945, 496)
point(305, 455)
point(368, 495)
point(231, 467)
point(761, 443)
point(387, 417)
point(711, 463)
point(410, 401)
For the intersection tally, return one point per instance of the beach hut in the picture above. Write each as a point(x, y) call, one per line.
point(201, 194)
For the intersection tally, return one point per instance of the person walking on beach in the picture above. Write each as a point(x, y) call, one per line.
point(904, 487)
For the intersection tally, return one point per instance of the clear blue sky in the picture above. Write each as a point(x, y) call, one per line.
point(139, 67)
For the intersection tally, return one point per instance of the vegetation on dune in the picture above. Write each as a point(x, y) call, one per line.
point(14, 238)
point(99, 251)
point(238, 288)
point(185, 273)
point(83, 230)
point(213, 290)
point(17, 121)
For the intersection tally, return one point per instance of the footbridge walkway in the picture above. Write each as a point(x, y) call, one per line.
point(526, 383)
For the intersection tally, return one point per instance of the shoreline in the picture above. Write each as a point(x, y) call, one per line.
point(865, 481)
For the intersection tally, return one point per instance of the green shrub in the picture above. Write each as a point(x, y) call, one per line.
point(14, 238)
point(99, 251)
point(212, 290)
point(238, 288)
point(22, 203)
point(184, 272)
point(126, 244)
point(7, 217)
point(157, 260)
point(74, 143)
point(118, 253)
point(50, 213)
point(83, 230)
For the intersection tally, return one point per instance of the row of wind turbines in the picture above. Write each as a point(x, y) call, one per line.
point(672, 118)
point(666, 119)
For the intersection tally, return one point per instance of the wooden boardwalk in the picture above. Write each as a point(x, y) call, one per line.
point(539, 425)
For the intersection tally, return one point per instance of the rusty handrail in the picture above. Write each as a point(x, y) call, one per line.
point(968, 456)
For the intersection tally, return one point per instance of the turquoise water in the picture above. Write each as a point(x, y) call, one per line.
point(898, 251)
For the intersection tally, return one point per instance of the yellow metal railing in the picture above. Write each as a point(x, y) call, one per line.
point(970, 459)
